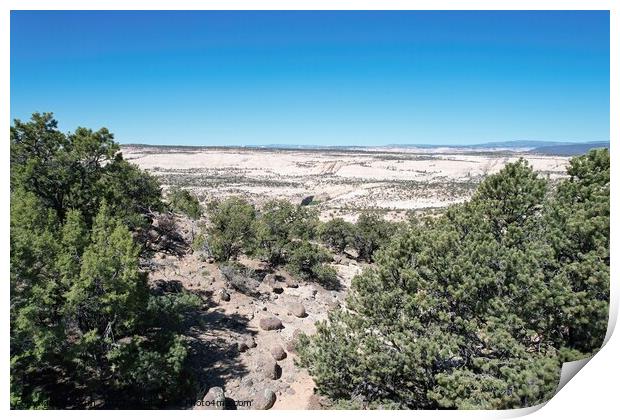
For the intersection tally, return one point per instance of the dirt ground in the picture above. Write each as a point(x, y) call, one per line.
point(218, 354)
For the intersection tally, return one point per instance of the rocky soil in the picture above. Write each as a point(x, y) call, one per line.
point(243, 339)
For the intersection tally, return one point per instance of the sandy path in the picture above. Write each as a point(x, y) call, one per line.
point(303, 389)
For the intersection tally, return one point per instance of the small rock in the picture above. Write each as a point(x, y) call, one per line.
point(213, 400)
point(223, 295)
point(250, 342)
point(334, 304)
point(292, 343)
point(271, 281)
point(278, 353)
point(242, 346)
point(290, 282)
point(271, 323)
point(264, 401)
point(272, 370)
point(298, 310)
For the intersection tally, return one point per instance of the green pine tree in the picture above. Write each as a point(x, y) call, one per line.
point(477, 308)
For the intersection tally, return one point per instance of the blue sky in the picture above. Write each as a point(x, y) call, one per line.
point(324, 78)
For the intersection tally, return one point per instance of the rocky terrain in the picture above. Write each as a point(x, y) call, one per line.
point(242, 342)
point(243, 339)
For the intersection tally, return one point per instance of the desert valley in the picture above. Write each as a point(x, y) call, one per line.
point(276, 277)
point(340, 182)
point(306, 209)
point(239, 356)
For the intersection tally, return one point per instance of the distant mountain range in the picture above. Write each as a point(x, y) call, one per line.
point(512, 144)
point(570, 149)
point(529, 145)
point(532, 146)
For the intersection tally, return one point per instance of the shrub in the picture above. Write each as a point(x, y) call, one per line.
point(479, 308)
point(78, 295)
point(278, 224)
point(337, 234)
point(183, 201)
point(307, 261)
point(371, 233)
point(232, 228)
point(199, 243)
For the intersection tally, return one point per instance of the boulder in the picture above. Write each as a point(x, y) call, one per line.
point(270, 323)
point(264, 400)
point(213, 400)
point(278, 352)
point(272, 369)
point(298, 310)
point(307, 200)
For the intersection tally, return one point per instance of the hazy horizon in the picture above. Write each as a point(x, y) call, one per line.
point(464, 145)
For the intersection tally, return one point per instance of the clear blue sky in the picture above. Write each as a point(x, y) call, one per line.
point(326, 78)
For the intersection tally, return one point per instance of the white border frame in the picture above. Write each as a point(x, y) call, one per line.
point(591, 394)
